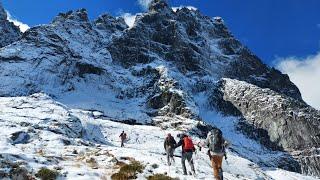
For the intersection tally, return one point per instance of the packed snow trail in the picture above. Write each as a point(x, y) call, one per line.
point(81, 146)
point(151, 152)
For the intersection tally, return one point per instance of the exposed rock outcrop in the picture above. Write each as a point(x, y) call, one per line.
point(194, 43)
point(9, 33)
point(277, 121)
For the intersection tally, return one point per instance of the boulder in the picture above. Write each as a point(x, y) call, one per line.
point(20, 137)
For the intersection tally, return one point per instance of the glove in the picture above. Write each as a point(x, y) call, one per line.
point(209, 154)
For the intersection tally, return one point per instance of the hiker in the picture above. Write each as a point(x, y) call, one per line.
point(187, 152)
point(123, 137)
point(137, 138)
point(217, 146)
point(169, 144)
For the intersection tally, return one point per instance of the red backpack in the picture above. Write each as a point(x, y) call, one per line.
point(188, 144)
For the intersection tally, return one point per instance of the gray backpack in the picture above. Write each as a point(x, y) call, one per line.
point(216, 141)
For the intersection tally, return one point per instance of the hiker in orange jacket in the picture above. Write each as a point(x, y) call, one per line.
point(187, 152)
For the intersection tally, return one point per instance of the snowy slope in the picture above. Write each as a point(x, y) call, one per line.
point(92, 155)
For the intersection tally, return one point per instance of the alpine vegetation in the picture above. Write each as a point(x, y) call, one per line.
point(173, 96)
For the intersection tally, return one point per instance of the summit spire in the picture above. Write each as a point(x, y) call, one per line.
point(3, 13)
point(158, 5)
point(8, 31)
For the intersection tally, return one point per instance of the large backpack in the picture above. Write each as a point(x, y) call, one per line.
point(216, 141)
point(170, 141)
point(188, 144)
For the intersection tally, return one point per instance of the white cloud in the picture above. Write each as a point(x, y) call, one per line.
point(23, 27)
point(144, 3)
point(305, 73)
point(129, 19)
point(180, 7)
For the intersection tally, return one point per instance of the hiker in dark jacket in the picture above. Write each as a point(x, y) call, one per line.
point(187, 152)
point(169, 144)
point(123, 137)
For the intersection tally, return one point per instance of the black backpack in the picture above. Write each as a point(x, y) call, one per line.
point(216, 141)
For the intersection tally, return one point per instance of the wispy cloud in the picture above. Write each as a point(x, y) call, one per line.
point(180, 7)
point(305, 73)
point(23, 27)
point(129, 18)
point(144, 3)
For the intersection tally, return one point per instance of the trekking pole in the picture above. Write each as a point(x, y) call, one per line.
point(225, 157)
point(169, 170)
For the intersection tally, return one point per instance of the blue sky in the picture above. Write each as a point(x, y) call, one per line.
point(270, 28)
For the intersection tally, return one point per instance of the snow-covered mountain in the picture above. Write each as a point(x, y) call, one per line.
point(68, 81)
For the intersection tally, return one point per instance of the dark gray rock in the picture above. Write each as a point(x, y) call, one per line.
point(20, 137)
point(158, 5)
point(168, 102)
point(277, 121)
point(71, 127)
point(110, 24)
point(185, 38)
point(13, 170)
point(9, 33)
point(20, 173)
point(309, 160)
point(88, 69)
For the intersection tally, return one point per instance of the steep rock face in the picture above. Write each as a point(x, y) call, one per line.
point(277, 121)
point(50, 56)
point(194, 43)
point(9, 33)
point(69, 56)
point(72, 47)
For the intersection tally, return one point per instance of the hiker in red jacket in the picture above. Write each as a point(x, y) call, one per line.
point(187, 152)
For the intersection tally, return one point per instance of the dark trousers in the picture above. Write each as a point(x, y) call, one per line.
point(169, 151)
point(187, 156)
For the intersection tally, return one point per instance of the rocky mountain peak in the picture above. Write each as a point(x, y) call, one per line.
point(80, 15)
point(8, 31)
point(159, 5)
point(109, 23)
point(3, 14)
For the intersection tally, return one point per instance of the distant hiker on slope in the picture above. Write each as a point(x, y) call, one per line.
point(169, 145)
point(123, 137)
point(187, 152)
point(217, 146)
